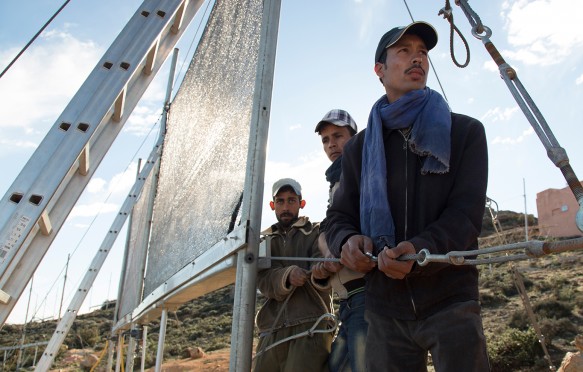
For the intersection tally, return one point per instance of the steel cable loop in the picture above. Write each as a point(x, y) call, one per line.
point(310, 332)
point(313, 329)
point(448, 14)
point(471, 15)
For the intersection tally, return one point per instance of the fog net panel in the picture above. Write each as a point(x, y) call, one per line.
point(205, 151)
point(133, 278)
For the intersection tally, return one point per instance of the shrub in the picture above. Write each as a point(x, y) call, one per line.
point(491, 300)
point(513, 349)
point(552, 309)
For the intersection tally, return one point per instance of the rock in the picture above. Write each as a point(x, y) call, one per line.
point(195, 353)
point(579, 342)
point(89, 360)
point(573, 362)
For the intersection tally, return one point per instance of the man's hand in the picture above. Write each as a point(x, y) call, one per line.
point(388, 263)
point(298, 276)
point(352, 254)
point(319, 271)
point(331, 267)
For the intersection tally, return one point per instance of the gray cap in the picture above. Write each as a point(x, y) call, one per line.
point(339, 118)
point(422, 29)
point(286, 182)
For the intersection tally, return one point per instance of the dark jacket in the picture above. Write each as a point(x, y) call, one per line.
point(441, 213)
point(308, 302)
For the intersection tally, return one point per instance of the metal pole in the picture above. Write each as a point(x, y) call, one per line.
point(144, 347)
point(24, 326)
point(35, 354)
point(110, 351)
point(169, 89)
point(246, 278)
point(525, 213)
point(130, 351)
point(64, 284)
point(118, 360)
point(161, 339)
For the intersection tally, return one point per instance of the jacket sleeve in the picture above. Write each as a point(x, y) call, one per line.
point(460, 223)
point(343, 216)
point(319, 284)
point(272, 282)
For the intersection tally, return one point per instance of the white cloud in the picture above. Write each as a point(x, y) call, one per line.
point(544, 32)
point(90, 210)
point(106, 196)
point(123, 182)
point(96, 185)
point(39, 85)
point(490, 65)
point(499, 114)
point(295, 127)
point(579, 80)
point(142, 120)
point(513, 141)
point(18, 144)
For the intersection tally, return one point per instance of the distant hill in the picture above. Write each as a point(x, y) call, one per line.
point(554, 286)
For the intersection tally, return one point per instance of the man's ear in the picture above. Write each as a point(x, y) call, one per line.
point(378, 69)
point(302, 203)
point(272, 205)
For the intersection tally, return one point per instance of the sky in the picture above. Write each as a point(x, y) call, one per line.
point(325, 59)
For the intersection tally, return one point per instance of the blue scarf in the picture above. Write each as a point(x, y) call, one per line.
point(429, 116)
point(334, 171)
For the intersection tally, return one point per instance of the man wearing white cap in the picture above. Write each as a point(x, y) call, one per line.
point(348, 348)
point(414, 179)
point(295, 298)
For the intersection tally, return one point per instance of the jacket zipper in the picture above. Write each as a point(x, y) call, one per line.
point(406, 135)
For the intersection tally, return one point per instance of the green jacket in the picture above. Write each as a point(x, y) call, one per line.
point(308, 302)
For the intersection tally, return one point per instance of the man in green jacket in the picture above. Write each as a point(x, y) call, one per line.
point(295, 298)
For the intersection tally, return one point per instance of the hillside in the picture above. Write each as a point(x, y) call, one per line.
point(554, 285)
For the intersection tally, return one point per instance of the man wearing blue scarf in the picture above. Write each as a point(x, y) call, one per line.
point(414, 179)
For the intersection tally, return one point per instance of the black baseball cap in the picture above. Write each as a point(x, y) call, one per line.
point(422, 29)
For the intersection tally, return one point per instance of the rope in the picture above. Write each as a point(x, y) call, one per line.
point(448, 14)
point(310, 332)
point(33, 38)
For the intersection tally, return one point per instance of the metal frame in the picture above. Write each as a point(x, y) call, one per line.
point(36, 205)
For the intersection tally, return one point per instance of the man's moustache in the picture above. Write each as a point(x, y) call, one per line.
point(415, 66)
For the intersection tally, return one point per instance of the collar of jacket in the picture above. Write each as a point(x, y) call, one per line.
point(303, 224)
